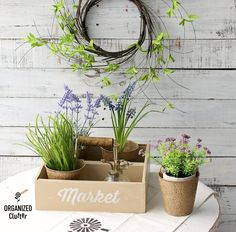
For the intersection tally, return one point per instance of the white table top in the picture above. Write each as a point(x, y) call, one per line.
point(203, 218)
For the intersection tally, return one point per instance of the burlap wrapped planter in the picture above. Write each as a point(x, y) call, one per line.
point(65, 175)
point(178, 197)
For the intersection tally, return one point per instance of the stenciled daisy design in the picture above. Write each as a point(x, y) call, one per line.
point(86, 225)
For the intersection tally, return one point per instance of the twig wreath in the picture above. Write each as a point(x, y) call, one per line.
point(76, 47)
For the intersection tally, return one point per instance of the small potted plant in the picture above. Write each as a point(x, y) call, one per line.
point(55, 143)
point(179, 173)
point(58, 142)
point(124, 118)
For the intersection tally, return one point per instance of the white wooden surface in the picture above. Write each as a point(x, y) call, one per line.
point(209, 71)
point(206, 210)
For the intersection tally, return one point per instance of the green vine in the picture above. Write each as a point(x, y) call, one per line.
point(80, 51)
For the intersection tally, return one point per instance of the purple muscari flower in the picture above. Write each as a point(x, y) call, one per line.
point(198, 145)
point(129, 90)
point(199, 140)
point(189, 151)
point(167, 140)
point(208, 152)
point(159, 141)
point(131, 112)
point(184, 141)
point(185, 136)
point(118, 106)
point(107, 102)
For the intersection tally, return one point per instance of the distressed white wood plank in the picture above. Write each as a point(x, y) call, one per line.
point(202, 84)
point(12, 166)
point(227, 223)
point(210, 209)
point(199, 113)
point(219, 171)
point(220, 141)
point(192, 54)
point(217, 19)
point(227, 199)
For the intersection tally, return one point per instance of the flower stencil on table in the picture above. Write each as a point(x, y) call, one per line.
point(83, 118)
point(179, 158)
point(124, 116)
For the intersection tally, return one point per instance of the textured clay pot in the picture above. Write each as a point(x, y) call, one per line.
point(178, 196)
point(65, 175)
point(130, 153)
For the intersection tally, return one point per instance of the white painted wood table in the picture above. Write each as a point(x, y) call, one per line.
point(204, 217)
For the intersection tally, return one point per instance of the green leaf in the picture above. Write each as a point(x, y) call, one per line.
point(182, 22)
point(132, 71)
point(75, 6)
point(59, 6)
point(144, 77)
point(170, 58)
point(175, 4)
point(34, 42)
point(164, 109)
point(133, 45)
point(190, 19)
point(114, 97)
point(193, 17)
point(170, 12)
point(85, 67)
point(170, 105)
point(167, 71)
point(75, 67)
point(53, 48)
point(90, 45)
point(67, 38)
point(160, 60)
point(153, 74)
point(106, 82)
point(111, 67)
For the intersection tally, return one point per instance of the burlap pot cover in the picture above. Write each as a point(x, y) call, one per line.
point(130, 153)
point(178, 197)
point(65, 175)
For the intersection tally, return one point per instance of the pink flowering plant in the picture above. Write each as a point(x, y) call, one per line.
point(179, 158)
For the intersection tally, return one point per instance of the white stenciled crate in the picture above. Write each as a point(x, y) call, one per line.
point(92, 193)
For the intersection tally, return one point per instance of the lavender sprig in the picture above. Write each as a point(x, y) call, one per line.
point(71, 104)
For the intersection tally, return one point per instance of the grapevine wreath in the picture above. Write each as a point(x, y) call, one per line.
point(152, 48)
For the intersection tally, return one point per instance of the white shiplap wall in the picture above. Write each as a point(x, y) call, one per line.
point(209, 71)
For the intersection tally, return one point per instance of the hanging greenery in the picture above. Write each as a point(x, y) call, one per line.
point(81, 51)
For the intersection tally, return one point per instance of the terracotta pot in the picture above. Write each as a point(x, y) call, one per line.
point(65, 175)
point(178, 196)
point(130, 153)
